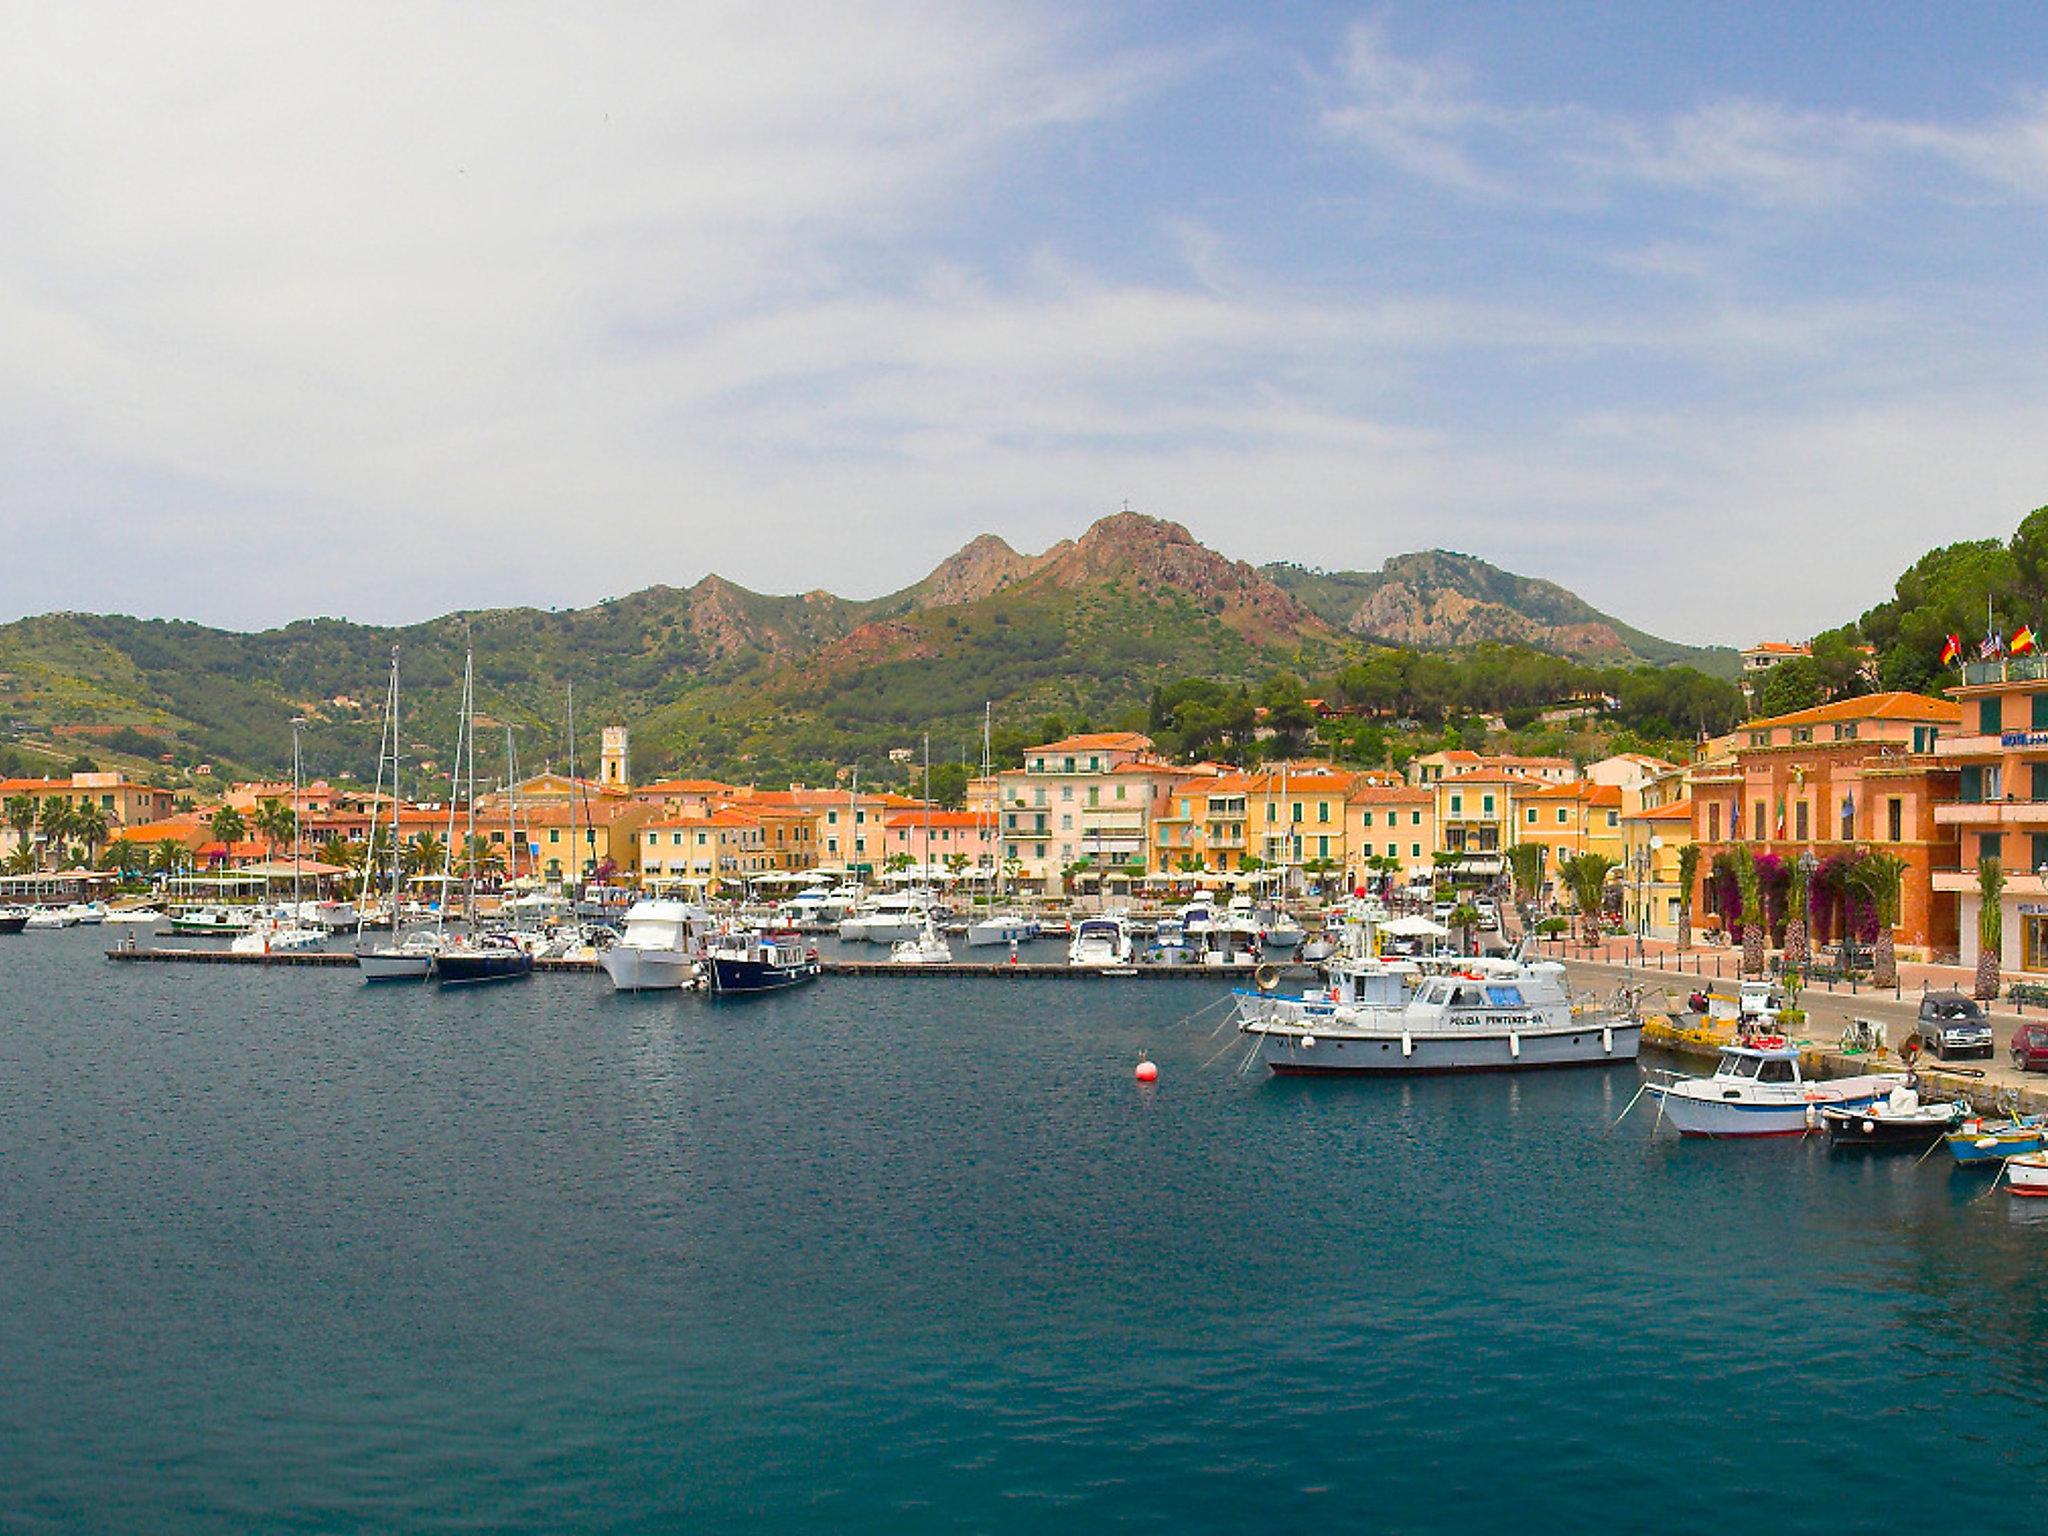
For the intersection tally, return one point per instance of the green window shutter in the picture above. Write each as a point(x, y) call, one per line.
point(2040, 707)
point(2040, 841)
point(1990, 715)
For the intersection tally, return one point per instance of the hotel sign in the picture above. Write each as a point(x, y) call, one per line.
point(2024, 739)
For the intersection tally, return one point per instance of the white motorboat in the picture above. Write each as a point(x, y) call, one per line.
point(889, 919)
point(1491, 1016)
point(927, 947)
point(1002, 928)
point(659, 947)
point(1279, 934)
point(1100, 941)
point(1762, 1090)
point(216, 920)
point(277, 936)
point(88, 913)
point(2027, 1174)
point(44, 918)
point(140, 916)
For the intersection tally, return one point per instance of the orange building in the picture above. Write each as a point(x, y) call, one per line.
point(1834, 779)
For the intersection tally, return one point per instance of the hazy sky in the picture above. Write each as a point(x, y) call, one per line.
point(1718, 314)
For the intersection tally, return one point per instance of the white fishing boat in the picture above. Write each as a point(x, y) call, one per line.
point(1100, 941)
point(1762, 1090)
point(927, 947)
point(659, 947)
point(1492, 1016)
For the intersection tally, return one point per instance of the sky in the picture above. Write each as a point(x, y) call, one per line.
point(1719, 315)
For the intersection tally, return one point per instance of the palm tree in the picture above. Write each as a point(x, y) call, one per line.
point(1688, 877)
point(56, 820)
point(228, 829)
point(272, 821)
point(477, 856)
point(1585, 876)
point(168, 858)
point(1525, 869)
point(89, 826)
point(1464, 919)
point(1990, 927)
point(20, 811)
point(1796, 898)
point(22, 861)
point(1751, 886)
point(426, 854)
point(1881, 877)
point(340, 852)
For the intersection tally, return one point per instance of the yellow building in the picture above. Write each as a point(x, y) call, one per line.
point(1650, 843)
point(1382, 822)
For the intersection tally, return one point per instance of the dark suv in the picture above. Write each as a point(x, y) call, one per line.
point(1953, 1025)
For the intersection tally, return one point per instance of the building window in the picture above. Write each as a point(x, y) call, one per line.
point(1457, 805)
point(1848, 819)
point(1563, 816)
point(1415, 818)
point(1759, 820)
point(1845, 733)
point(1991, 715)
point(1799, 821)
point(1713, 823)
point(1367, 821)
point(1530, 816)
point(1759, 738)
point(1323, 812)
point(1987, 846)
point(2039, 850)
point(1614, 818)
point(1414, 850)
point(1486, 805)
point(1802, 733)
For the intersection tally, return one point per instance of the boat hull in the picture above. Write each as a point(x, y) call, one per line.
point(1385, 1053)
point(1965, 1146)
point(648, 970)
point(468, 968)
point(2028, 1175)
point(395, 964)
point(1850, 1129)
point(13, 922)
point(732, 977)
point(1726, 1118)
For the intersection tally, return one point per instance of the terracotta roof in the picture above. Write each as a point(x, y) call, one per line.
point(1491, 776)
point(686, 787)
point(1592, 794)
point(948, 819)
point(1871, 706)
point(1101, 741)
point(1677, 810)
point(1389, 794)
point(1779, 648)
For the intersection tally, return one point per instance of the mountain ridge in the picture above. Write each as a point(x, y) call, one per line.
point(721, 676)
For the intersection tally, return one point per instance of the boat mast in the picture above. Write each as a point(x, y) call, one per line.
point(511, 814)
point(297, 721)
point(370, 871)
point(575, 848)
point(991, 801)
point(395, 873)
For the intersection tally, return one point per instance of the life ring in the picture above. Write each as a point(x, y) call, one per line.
point(1266, 977)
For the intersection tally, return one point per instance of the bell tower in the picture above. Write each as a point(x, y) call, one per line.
point(613, 763)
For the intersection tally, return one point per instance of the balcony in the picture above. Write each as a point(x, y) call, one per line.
point(1964, 882)
point(2010, 813)
point(2009, 669)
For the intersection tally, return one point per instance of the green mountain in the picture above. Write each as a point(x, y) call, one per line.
point(716, 678)
point(1438, 600)
point(712, 676)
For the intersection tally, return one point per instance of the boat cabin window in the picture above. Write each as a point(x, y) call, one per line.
point(1468, 997)
point(1776, 1072)
point(1738, 1066)
point(1436, 992)
point(1503, 997)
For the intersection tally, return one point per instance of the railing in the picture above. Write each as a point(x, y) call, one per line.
point(2009, 669)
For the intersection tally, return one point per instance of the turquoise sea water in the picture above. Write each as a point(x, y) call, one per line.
point(282, 1253)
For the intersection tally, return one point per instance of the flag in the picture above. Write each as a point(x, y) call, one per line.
point(1993, 646)
point(1781, 819)
point(1952, 651)
point(2023, 641)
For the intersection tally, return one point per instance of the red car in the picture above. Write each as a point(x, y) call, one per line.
point(2030, 1048)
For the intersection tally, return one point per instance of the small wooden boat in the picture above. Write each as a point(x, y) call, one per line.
point(1985, 1143)
point(2027, 1174)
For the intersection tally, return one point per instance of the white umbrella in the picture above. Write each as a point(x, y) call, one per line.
point(1415, 926)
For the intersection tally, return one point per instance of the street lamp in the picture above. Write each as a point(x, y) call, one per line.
point(1807, 865)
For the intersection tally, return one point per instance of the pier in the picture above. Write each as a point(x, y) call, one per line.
point(1003, 970)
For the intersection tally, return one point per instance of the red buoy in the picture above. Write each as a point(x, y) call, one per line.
point(1148, 1072)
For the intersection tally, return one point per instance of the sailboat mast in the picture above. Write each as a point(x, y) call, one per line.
point(511, 813)
point(575, 848)
point(925, 875)
point(297, 721)
point(469, 793)
point(395, 874)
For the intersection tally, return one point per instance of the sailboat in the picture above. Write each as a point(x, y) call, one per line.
point(408, 956)
point(278, 934)
point(491, 956)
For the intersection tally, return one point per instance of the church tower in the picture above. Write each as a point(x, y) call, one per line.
point(612, 771)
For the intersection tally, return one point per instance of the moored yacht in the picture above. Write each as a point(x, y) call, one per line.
point(658, 947)
point(1100, 941)
point(1493, 1016)
point(744, 963)
point(889, 919)
point(483, 957)
point(13, 919)
point(277, 935)
point(926, 947)
point(410, 959)
point(1002, 928)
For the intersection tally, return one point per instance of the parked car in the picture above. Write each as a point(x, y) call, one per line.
point(2030, 1048)
point(1953, 1025)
